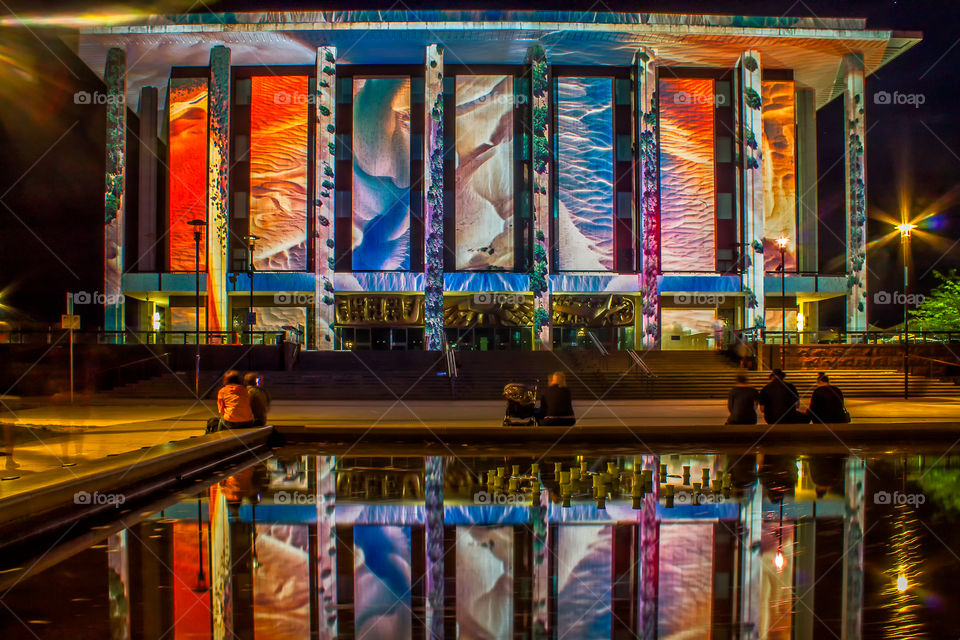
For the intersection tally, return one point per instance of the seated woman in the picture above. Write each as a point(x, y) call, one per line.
point(233, 403)
point(556, 405)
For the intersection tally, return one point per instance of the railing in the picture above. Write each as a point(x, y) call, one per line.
point(596, 342)
point(50, 336)
point(637, 360)
point(842, 336)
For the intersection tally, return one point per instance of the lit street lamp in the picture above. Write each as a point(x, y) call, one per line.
point(782, 243)
point(251, 316)
point(198, 226)
point(905, 229)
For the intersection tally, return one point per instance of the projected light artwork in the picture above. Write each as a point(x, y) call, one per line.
point(382, 556)
point(278, 172)
point(381, 174)
point(687, 182)
point(484, 206)
point(188, 170)
point(585, 173)
point(779, 174)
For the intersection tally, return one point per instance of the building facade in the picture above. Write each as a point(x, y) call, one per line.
point(503, 180)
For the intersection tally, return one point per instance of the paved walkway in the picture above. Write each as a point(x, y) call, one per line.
point(49, 435)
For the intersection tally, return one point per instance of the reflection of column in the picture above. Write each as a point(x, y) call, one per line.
point(751, 130)
point(433, 200)
point(853, 518)
point(647, 119)
point(855, 165)
point(327, 545)
point(115, 77)
point(751, 570)
point(323, 258)
point(540, 181)
point(539, 523)
point(147, 191)
point(805, 562)
point(649, 554)
point(119, 584)
point(221, 579)
point(433, 493)
point(218, 171)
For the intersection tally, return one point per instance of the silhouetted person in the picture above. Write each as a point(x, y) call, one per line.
point(742, 402)
point(779, 401)
point(556, 404)
point(826, 403)
point(259, 399)
point(233, 403)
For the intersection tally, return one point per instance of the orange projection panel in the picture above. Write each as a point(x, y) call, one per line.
point(278, 172)
point(687, 181)
point(779, 173)
point(188, 170)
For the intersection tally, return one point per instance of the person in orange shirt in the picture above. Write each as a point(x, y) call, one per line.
point(233, 403)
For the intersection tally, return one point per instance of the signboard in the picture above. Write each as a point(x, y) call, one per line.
point(68, 321)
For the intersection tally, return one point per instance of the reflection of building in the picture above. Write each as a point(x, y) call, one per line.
point(627, 174)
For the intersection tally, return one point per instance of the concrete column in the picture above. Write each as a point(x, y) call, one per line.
point(853, 520)
point(433, 493)
point(648, 552)
point(433, 199)
point(325, 104)
point(751, 189)
point(540, 155)
point(115, 77)
point(147, 192)
point(218, 190)
point(647, 140)
point(751, 571)
point(327, 546)
point(540, 524)
point(855, 169)
point(807, 238)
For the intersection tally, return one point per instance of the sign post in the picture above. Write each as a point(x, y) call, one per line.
point(69, 321)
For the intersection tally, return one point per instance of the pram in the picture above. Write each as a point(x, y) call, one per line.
point(521, 402)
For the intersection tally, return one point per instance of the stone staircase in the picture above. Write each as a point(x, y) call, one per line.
point(422, 376)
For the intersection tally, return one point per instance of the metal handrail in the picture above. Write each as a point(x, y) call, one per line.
point(596, 342)
point(637, 360)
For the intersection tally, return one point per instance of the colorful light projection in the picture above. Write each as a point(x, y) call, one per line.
point(381, 586)
point(281, 583)
point(585, 173)
point(191, 604)
point(188, 170)
point(381, 174)
point(484, 209)
point(687, 181)
point(779, 173)
point(686, 576)
point(584, 580)
point(278, 171)
point(485, 582)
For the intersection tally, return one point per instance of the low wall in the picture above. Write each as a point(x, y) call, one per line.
point(925, 359)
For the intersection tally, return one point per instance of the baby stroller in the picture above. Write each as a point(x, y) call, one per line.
point(521, 401)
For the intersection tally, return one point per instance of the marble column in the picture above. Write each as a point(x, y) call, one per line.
point(325, 104)
point(433, 499)
point(540, 155)
point(433, 199)
point(853, 521)
point(751, 173)
point(855, 170)
point(115, 78)
point(647, 139)
point(148, 113)
point(327, 546)
point(218, 190)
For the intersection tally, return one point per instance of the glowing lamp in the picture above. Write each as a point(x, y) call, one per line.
point(800, 320)
point(902, 583)
point(778, 560)
point(156, 321)
point(905, 229)
point(783, 242)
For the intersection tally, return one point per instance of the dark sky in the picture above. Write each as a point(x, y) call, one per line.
point(913, 157)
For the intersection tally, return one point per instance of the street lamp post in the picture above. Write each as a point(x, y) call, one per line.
point(251, 318)
point(782, 243)
point(198, 226)
point(905, 230)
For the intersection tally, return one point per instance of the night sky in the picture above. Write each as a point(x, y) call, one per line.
point(51, 206)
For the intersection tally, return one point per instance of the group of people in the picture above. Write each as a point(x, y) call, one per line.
point(780, 402)
point(242, 402)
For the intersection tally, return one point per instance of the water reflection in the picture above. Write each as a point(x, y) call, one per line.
point(679, 546)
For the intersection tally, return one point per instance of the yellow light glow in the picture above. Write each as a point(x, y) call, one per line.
point(905, 229)
point(782, 242)
point(778, 560)
point(800, 321)
point(902, 583)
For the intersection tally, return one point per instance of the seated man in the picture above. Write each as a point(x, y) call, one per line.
point(742, 402)
point(779, 401)
point(826, 403)
point(556, 405)
point(233, 403)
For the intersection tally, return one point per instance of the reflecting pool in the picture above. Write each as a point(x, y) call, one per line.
point(308, 545)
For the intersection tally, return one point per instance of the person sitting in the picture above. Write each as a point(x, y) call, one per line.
point(233, 403)
point(779, 401)
point(742, 402)
point(259, 399)
point(556, 405)
point(826, 403)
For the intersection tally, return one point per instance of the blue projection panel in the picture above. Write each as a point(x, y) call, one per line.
point(381, 174)
point(584, 581)
point(585, 173)
point(381, 588)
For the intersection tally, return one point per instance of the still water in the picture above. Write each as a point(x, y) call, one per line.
point(307, 545)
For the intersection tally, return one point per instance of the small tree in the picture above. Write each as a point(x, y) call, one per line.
point(940, 311)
